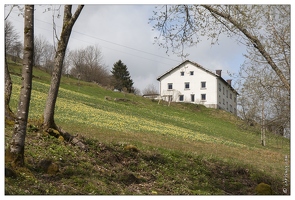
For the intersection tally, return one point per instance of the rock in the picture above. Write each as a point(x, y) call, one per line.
point(49, 167)
point(53, 168)
point(129, 178)
point(108, 98)
point(263, 189)
point(131, 148)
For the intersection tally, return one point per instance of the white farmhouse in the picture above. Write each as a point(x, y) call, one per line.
point(190, 82)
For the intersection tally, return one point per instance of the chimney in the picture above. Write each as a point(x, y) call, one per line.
point(218, 72)
point(229, 81)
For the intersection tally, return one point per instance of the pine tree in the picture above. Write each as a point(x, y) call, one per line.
point(121, 77)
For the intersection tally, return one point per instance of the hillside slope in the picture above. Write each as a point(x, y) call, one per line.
point(138, 146)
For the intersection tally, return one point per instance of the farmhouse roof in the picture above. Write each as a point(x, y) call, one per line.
point(200, 67)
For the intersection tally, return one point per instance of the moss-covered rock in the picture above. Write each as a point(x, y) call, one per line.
point(53, 168)
point(61, 138)
point(263, 189)
point(10, 173)
point(48, 166)
point(131, 147)
point(53, 132)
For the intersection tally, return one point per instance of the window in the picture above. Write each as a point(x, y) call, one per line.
point(203, 97)
point(219, 87)
point(230, 96)
point(180, 97)
point(181, 73)
point(223, 101)
point(226, 105)
point(235, 99)
point(170, 86)
point(186, 85)
point(203, 85)
point(231, 108)
point(223, 90)
point(226, 93)
point(191, 73)
point(192, 98)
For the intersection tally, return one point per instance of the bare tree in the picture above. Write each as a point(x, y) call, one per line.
point(10, 37)
point(13, 46)
point(16, 149)
point(252, 25)
point(136, 91)
point(256, 73)
point(88, 64)
point(68, 23)
point(48, 57)
point(16, 51)
point(150, 89)
point(263, 89)
point(263, 29)
point(40, 43)
point(43, 53)
point(8, 89)
point(76, 58)
point(95, 68)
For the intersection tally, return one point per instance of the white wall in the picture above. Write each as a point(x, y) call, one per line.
point(194, 81)
point(227, 99)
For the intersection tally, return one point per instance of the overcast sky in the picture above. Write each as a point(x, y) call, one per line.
point(122, 32)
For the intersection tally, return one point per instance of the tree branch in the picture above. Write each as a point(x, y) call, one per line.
point(256, 43)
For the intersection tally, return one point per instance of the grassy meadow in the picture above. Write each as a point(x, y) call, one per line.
point(138, 146)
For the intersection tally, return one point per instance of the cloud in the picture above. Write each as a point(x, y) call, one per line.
point(122, 32)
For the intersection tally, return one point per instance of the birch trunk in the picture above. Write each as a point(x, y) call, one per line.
point(18, 139)
point(68, 23)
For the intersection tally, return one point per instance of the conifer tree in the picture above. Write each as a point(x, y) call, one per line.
point(121, 77)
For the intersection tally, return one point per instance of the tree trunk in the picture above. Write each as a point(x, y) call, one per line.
point(18, 139)
point(68, 23)
point(8, 89)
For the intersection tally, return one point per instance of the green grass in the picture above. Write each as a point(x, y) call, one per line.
point(183, 148)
